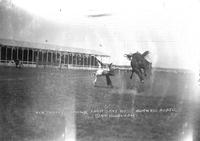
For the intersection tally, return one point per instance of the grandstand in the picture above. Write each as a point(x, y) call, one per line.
point(47, 55)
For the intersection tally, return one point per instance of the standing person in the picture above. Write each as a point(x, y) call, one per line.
point(17, 63)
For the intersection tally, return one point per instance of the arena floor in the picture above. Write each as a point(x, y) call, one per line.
point(62, 105)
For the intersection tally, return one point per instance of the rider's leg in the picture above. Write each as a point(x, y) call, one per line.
point(145, 72)
point(95, 80)
point(108, 80)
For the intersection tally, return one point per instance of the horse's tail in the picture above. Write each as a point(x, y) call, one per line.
point(145, 53)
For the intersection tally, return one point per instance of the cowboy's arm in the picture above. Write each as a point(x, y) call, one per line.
point(100, 62)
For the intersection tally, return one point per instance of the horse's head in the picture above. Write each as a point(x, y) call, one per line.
point(129, 56)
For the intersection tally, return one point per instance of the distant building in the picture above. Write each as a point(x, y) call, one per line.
point(48, 55)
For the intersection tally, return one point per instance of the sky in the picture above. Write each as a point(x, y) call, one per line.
point(169, 29)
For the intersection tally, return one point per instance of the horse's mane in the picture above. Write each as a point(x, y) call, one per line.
point(145, 53)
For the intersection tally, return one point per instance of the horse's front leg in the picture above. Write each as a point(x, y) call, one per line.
point(131, 74)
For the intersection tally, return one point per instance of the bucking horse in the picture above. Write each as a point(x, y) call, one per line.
point(139, 64)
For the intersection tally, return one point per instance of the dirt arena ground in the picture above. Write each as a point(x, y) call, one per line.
point(63, 105)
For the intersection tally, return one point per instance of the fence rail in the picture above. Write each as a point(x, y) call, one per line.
point(11, 63)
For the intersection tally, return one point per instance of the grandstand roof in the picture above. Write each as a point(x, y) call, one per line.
point(9, 42)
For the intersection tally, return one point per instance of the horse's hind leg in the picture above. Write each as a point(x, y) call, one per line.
point(139, 73)
point(141, 78)
point(145, 72)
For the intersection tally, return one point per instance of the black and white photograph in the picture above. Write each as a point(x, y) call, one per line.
point(99, 70)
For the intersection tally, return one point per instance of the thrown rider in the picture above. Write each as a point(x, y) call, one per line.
point(104, 71)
